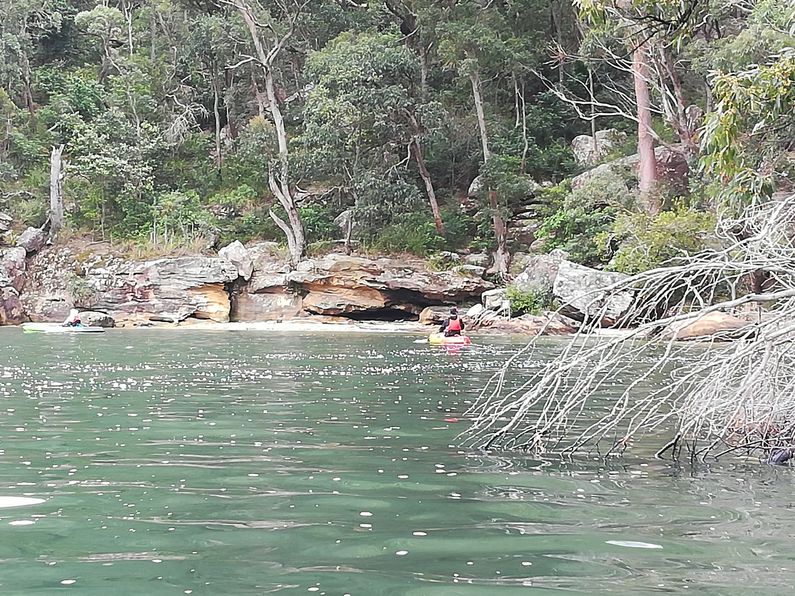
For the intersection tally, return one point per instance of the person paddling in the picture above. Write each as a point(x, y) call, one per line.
point(73, 319)
point(453, 325)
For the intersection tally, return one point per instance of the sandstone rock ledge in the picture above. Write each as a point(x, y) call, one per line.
point(247, 284)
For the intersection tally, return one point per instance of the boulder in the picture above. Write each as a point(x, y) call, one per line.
point(470, 270)
point(494, 299)
point(581, 291)
point(519, 262)
point(12, 267)
point(32, 240)
point(5, 222)
point(474, 311)
point(673, 168)
point(672, 165)
point(239, 256)
point(434, 315)
point(531, 325)
point(480, 259)
point(477, 187)
point(589, 150)
point(714, 326)
point(275, 306)
point(539, 274)
point(523, 231)
point(96, 319)
point(11, 309)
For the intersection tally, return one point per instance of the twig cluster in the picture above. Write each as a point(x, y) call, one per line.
point(705, 400)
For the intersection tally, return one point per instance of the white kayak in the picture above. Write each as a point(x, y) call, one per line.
point(57, 328)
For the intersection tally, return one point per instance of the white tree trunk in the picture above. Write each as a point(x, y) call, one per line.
point(279, 181)
point(56, 191)
point(426, 178)
point(501, 257)
point(219, 157)
point(647, 168)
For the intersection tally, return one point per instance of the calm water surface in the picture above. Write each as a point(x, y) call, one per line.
point(184, 462)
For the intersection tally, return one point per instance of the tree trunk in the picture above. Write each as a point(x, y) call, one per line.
point(152, 33)
point(680, 121)
point(525, 140)
point(219, 158)
point(27, 92)
point(56, 194)
point(279, 182)
point(477, 95)
point(426, 178)
point(647, 168)
point(501, 257)
point(424, 70)
point(285, 195)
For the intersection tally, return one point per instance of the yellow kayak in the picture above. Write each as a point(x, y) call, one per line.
point(439, 339)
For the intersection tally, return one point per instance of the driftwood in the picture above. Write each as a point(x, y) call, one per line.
point(600, 394)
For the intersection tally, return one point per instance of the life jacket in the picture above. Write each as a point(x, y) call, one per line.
point(454, 324)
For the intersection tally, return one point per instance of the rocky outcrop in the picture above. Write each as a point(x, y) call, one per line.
point(96, 319)
point(672, 167)
point(355, 286)
point(32, 240)
point(589, 150)
point(254, 283)
point(128, 291)
point(168, 289)
point(714, 326)
point(12, 280)
point(582, 293)
point(240, 257)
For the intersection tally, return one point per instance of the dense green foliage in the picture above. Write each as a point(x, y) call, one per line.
point(526, 302)
point(168, 136)
point(163, 112)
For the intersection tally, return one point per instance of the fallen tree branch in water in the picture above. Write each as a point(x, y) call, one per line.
point(713, 398)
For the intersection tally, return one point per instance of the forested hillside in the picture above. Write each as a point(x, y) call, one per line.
point(182, 124)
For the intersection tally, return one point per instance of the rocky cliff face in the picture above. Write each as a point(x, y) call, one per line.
point(245, 284)
point(129, 291)
point(357, 287)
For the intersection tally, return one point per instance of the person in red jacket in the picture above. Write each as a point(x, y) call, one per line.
point(453, 325)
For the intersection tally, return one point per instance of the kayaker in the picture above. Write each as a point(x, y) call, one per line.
point(453, 325)
point(73, 319)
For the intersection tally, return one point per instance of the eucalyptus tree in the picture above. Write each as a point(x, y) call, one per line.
point(473, 38)
point(271, 25)
point(23, 24)
point(365, 106)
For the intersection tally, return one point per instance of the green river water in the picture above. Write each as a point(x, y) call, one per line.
point(188, 462)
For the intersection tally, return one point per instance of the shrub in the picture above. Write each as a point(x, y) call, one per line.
point(459, 228)
point(414, 233)
point(585, 214)
point(319, 223)
point(648, 242)
point(526, 302)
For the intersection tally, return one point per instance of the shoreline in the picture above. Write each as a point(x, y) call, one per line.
point(335, 326)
